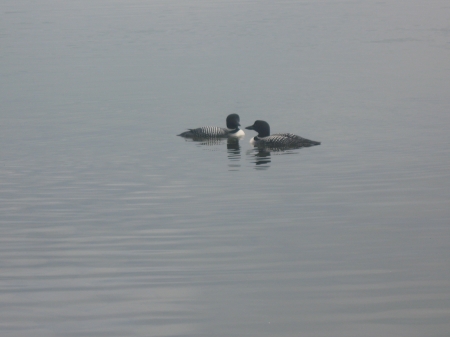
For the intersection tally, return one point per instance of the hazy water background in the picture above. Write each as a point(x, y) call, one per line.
point(110, 225)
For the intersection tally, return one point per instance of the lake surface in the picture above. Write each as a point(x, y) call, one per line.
point(110, 225)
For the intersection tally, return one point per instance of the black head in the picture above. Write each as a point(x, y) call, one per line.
point(262, 127)
point(233, 121)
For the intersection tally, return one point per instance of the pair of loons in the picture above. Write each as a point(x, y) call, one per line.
point(263, 139)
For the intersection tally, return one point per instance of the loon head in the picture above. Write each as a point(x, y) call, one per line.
point(262, 127)
point(233, 121)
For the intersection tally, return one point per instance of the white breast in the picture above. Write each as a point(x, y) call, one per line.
point(239, 134)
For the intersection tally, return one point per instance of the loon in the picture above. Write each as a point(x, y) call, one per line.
point(277, 141)
point(232, 130)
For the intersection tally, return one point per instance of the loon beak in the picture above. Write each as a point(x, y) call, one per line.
point(251, 127)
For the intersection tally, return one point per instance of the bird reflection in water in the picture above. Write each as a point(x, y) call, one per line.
point(208, 141)
point(260, 157)
point(234, 153)
point(233, 148)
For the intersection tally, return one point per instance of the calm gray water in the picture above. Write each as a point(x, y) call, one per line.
point(110, 225)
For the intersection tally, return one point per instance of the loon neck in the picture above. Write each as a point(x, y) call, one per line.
point(263, 134)
point(234, 130)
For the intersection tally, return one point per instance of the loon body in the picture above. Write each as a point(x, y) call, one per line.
point(232, 130)
point(277, 141)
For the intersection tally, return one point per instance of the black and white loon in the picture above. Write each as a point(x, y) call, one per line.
point(232, 130)
point(277, 141)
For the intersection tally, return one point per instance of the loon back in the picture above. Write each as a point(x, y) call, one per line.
point(279, 140)
point(205, 132)
point(284, 140)
point(232, 129)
